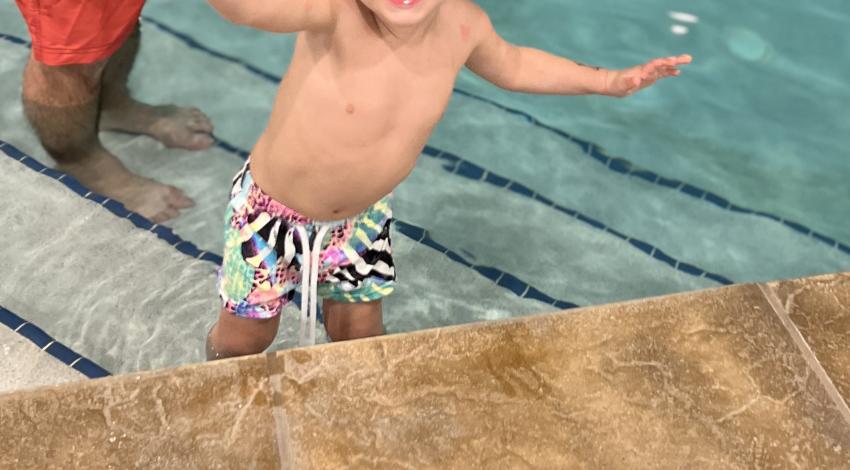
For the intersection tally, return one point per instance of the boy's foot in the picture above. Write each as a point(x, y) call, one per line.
point(175, 127)
point(102, 172)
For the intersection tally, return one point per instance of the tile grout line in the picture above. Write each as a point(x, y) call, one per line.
point(284, 450)
point(809, 355)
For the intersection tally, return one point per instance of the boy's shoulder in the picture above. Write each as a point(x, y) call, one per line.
point(467, 10)
point(474, 21)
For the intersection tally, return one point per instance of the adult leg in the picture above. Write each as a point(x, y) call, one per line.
point(185, 128)
point(63, 104)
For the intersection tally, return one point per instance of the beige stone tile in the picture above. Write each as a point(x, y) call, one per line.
point(820, 307)
point(704, 380)
point(198, 417)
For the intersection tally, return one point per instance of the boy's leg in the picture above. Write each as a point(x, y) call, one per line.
point(236, 336)
point(345, 321)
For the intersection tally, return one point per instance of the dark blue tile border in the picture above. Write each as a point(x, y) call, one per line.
point(473, 172)
point(49, 345)
point(618, 165)
point(624, 166)
point(193, 43)
point(37, 335)
point(15, 40)
point(501, 278)
point(115, 207)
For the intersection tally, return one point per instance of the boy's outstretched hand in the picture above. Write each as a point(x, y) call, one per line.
point(625, 82)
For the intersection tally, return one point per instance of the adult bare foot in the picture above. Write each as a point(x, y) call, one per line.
point(175, 127)
point(102, 172)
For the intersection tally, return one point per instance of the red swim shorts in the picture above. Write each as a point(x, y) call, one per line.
point(78, 31)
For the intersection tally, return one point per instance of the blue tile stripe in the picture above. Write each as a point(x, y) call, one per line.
point(164, 233)
point(15, 40)
point(499, 277)
point(49, 345)
point(118, 209)
point(458, 166)
point(194, 44)
point(618, 165)
point(594, 151)
point(626, 167)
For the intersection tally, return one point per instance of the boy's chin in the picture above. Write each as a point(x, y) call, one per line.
point(403, 19)
point(395, 15)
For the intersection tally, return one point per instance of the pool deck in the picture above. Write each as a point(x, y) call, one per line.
point(748, 376)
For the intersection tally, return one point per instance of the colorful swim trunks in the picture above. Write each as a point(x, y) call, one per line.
point(78, 31)
point(266, 257)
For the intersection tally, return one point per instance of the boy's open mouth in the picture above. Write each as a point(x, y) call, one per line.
point(405, 3)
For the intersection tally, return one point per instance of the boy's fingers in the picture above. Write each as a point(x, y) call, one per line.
point(682, 59)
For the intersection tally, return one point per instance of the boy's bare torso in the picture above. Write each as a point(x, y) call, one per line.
point(355, 109)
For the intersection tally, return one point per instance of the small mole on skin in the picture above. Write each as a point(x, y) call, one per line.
point(349, 109)
point(464, 32)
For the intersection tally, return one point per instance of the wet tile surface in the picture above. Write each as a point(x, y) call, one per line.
point(820, 307)
point(197, 417)
point(705, 380)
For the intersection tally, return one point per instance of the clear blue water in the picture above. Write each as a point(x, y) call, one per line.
point(756, 124)
point(758, 119)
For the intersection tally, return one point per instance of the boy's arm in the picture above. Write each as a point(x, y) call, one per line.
point(531, 70)
point(280, 16)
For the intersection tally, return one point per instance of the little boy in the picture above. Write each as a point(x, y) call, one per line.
point(368, 82)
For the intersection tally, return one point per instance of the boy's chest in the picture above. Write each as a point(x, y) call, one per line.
point(393, 89)
point(385, 85)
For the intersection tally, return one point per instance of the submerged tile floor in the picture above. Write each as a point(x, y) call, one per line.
point(744, 377)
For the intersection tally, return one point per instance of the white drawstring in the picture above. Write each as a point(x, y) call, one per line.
point(310, 257)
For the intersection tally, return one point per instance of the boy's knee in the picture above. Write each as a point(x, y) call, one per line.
point(248, 345)
point(257, 344)
point(222, 344)
point(346, 321)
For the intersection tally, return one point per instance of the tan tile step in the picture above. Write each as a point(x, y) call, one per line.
point(711, 379)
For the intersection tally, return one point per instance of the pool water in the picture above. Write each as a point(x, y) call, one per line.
point(757, 120)
point(734, 172)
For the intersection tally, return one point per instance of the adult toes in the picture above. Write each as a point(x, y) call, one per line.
point(200, 121)
point(179, 199)
point(200, 125)
point(200, 140)
point(166, 214)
